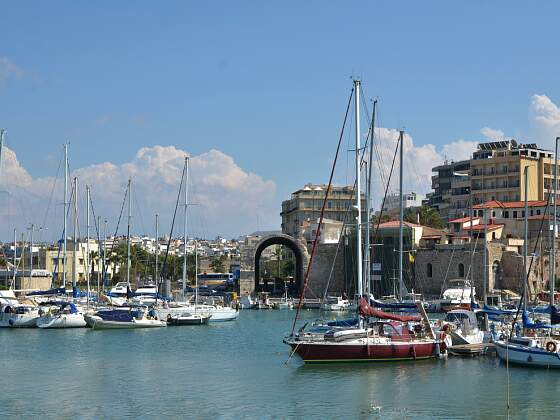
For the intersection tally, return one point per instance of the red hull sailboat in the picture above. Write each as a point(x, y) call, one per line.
point(391, 338)
point(388, 337)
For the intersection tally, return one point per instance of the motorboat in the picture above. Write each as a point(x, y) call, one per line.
point(264, 302)
point(247, 302)
point(128, 318)
point(66, 315)
point(462, 326)
point(336, 304)
point(189, 318)
point(145, 295)
point(284, 304)
point(21, 315)
point(458, 296)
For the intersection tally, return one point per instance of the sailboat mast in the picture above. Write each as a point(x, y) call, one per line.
point(368, 203)
point(64, 228)
point(195, 275)
point(157, 249)
point(525, 240)
point(14, 260)
point(485, 255)
point(359, 262)
point(471, 214)
point(554, 222)
point(87, 244)
point(185, 225)
point(2, 132)
point(128, 234)
point(401, 215)
point(99, 260)
point(104, 251)
point(31, 249)
point(75, 256)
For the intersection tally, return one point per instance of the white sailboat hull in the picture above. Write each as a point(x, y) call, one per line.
point(218, 313)
point(98, 323)
point(19, 320)
point(527, 356)
point(61, 321)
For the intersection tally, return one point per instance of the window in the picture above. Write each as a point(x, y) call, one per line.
point(531, 212)
point(493, 235)
point(506, 214)
point(429, 270)
point(461, 270)
point(538, 212)
point(523, 213)
point(493, 213)
point(515, 214)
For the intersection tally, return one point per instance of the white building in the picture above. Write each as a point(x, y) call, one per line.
point(409, 200)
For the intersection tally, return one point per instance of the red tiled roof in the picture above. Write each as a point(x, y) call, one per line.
point(482, 227)
point(464, 220)
point(396, 224)
point(510, 204)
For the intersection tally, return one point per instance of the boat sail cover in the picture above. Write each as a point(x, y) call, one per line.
point(367, 310)
point(527, 323)
point(554, 315)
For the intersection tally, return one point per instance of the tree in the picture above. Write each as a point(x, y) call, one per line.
point(218, 264)
point(428, 216)
point(381, 219)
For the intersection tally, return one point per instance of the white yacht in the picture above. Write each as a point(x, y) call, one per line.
point(218, 313)
point(66, 315)
point(247, 302)
point(462, 326)
point(336, 304)
point(457, 296)
point(146, 294)
point(22, 315)
point(122, 319)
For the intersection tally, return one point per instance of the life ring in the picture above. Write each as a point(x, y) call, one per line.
point(551, 347)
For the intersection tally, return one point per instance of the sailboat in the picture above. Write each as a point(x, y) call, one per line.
point(217, 313)
point(378, 336)
point(532, 349)
point(66, 315)
point(189, 317)
point(284, 303)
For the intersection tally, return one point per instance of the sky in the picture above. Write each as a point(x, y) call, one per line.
point(255, 93)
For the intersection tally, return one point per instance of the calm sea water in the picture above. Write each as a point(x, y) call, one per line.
point(235, 370)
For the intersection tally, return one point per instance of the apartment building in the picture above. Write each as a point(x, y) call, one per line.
point(305, 206)
point(451, 188)
point(497, 172)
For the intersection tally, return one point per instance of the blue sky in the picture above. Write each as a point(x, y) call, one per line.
point(264, 83)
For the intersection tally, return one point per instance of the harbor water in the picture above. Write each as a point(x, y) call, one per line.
point(236, 370)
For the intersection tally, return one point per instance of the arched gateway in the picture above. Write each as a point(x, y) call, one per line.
point(299, 250)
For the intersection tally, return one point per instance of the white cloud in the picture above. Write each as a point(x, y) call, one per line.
point(224, 196)
point(418, 160)
point(9, 70)
point(459, 149)
point(492, 134)
point(544, 119)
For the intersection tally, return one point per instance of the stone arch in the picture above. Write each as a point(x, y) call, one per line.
point(296, 246)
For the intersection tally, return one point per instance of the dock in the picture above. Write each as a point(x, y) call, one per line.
point(472, 350)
